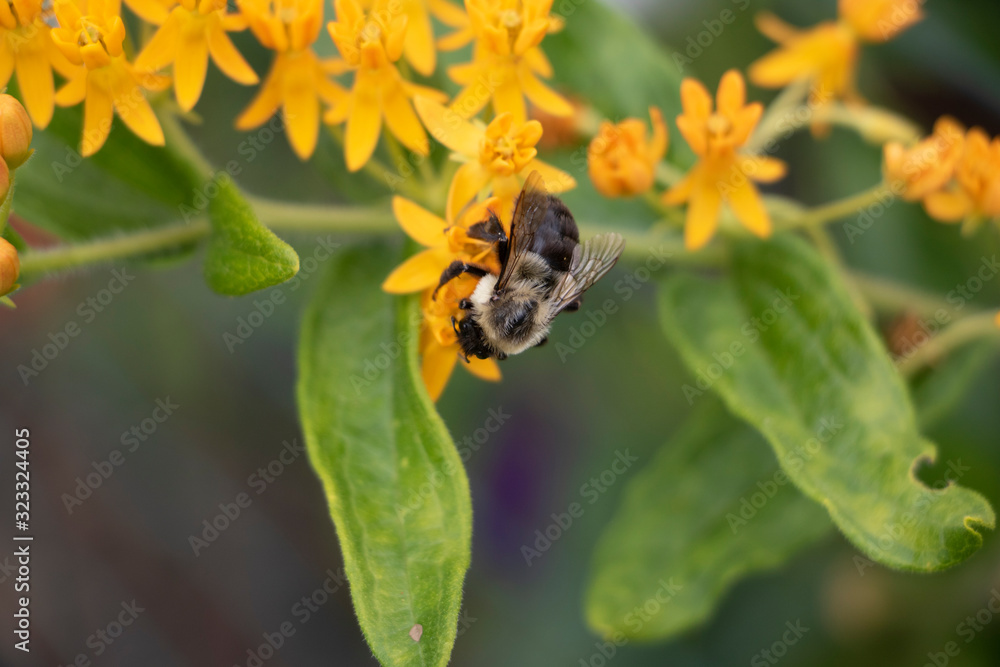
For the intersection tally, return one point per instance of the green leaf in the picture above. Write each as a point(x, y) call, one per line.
point(712, 507)
point(945, 387)
point(243, 255)
point(783, 344)
point(128, 185)
point(397, 490)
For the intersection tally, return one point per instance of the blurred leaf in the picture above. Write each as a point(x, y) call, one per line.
point(712, 507)
point(128, 185)
point(945, 387)
point(784, 346)
point(398, 492)
point(592, 63)
point(243, 255)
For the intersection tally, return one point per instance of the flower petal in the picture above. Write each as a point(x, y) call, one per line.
point(507, 98)
point(765, 169)
point(544, 97)
point(950, 207)
point(419, 44)
point(34, 77)
point(161, 50)
point(228, 59)
point(556, 180)
point(267, 100)
point(436, 367)
point(702, 215)
point(134, 110)
point(732, 94)
point(749, 209)
point(97, 116)
point(402, 121)
point(300, 107)
point(695, 99)
point(190, 68)
point(484, 369)
point(465, 185)
point(364, 122)
point(449, 128)
point(419, 224)
point(419, 272)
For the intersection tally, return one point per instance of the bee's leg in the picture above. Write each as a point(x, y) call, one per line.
point(465, 304)
point(573, 305)
point(490, 230)
point(457, 268)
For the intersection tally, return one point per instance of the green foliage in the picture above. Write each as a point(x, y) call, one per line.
point(712, 507)
point(243, 255)
point(781, 341)
point(397, 490)
point(127, 186)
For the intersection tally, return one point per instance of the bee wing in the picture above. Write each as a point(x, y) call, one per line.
point(591, 261)
point(529, 212)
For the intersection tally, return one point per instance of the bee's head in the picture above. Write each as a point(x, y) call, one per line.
point(471, 339)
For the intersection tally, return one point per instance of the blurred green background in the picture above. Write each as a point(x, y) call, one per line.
point(163, 337)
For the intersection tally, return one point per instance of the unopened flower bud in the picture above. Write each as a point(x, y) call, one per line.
point(10, 266)
point(4, 181)
point(15, 132)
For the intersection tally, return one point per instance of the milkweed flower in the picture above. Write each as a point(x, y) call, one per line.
point(622, 158)
point(722, 174)
point(974, 195)
point(370, 44)
point(298, 80)
point(445, 242)
point(10, 266)
point(499, 155)
point(187, 36)
point(107, 82)
point(827, 54)
point(15, 132)
point(418, 43)
point(929, 165)
point(26, 47)
point(507, 61)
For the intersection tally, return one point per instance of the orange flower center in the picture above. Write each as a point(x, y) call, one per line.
point(718, 126)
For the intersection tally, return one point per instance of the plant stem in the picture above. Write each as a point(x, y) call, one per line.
point(890, 296)
point(178, 139)
point(974, 327)
point(842, 208)
point(322, 218)
point(40, 262)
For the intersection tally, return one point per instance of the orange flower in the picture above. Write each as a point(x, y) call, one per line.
point(191, 32)
point(975, 193)
point(622, 159)
point(370, 44)
point(107, 82)
point(298, 80)
point(721, 174)
point(445, 242)
point(827, 54)
point(928, 166)
point(507, 61)
point(499, 155)
point(26, 47)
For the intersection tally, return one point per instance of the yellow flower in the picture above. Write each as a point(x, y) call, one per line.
point(507, 61)
point(10, 267)
point(298, 80)
point(445, 243)
point(370, 44)
point(975, 192)
point(15, 133)
point(107, 83)
point(192, 31)
point(26, 47)
point(928, 166)
point(622, 159)
point(418, 45)
point(499, 155)
point(721, 174)
point(827, 54)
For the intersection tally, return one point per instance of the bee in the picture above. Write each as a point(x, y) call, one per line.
point(544, 270)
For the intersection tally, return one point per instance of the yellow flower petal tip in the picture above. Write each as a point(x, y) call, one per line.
point(722, 174)
point(622, 158)
point(15, 132)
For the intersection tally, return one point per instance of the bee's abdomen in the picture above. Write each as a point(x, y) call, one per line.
point(557, 236)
